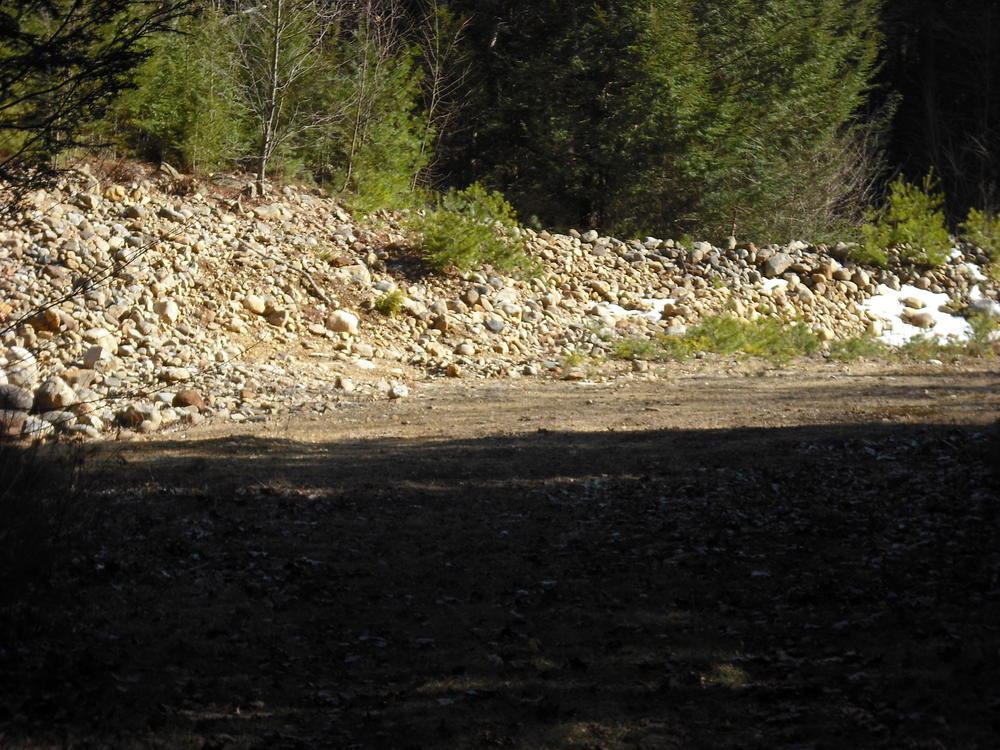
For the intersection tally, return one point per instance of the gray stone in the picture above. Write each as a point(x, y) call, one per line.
point(777, 264)
point(360, 349)
point(136, 414)
point(87, 201)
point(188, 398)
point(278, 318)
point(61, 420)
point(398, 391)
point(34, 427)
point(15, 398)
point(95, 355)
point(268, 211)
point(85, 430)
point(494, 325)
point(359, 274)
point(174, 374)
point(168, 310)
point(918, 319)
point(170, 214)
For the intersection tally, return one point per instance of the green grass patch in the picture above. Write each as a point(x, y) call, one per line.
point(981, 343)
point(776, 340)
point(857, 347)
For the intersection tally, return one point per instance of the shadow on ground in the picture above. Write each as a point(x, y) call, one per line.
point(810, 587)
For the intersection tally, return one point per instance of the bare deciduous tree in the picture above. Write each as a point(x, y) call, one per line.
point(446, 65)
point(279, 45)
point(380, 40)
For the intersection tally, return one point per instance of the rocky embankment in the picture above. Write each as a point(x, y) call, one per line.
point(157, 300)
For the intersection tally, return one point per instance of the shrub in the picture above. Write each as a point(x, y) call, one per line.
point(984, 341)
point(983, 230)
point(391, 303)
point(767, 337)
point(911, 221)
point(662, 348)
point(857, 347)
point(770, 338)
point(464, 231)
point(184, 106)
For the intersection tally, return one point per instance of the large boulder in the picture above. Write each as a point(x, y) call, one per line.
point(15, 398)
point(54, 394)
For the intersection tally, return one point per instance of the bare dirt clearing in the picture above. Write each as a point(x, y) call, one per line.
point(725, 556)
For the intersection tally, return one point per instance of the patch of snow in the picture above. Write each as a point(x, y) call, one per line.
point(975, 273)
point(617, 312)
point(769, 285)
point(887, 304)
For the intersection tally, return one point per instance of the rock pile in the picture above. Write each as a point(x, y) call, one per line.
point(166, 301)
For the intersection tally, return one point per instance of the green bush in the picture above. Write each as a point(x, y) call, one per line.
point(770, 338)
point(184, 107)
point(464, 231)
point(857, 347)
point(767, 337)
point(983, 230)
point(663, 348)
point(391, 303)
point(911, 221)
point(981, 342)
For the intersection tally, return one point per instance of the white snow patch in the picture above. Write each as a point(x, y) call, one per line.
point(769, 285)
point(617, 312)
point(975, 273)
point(887, 304)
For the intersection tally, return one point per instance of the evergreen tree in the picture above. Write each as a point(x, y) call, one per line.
point(669, 116)
point(61, 63)
point(185, 108)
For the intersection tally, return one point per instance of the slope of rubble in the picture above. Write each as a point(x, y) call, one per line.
point(157, 299)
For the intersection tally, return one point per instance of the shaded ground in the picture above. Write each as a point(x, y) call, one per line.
point(798, 559)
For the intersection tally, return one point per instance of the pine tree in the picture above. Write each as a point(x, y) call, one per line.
point(670, 116)
point(61, 64)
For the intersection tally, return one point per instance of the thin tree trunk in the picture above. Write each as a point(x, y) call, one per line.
point(267, 131)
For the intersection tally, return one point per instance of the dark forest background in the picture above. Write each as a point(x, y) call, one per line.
point(767, 118)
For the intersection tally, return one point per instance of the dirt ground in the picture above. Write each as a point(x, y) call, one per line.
point(714, 554)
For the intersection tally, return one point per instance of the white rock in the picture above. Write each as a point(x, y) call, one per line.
point(168, 310)
point(341, 321)
point(22, 367)
point(253, 303)
point(54, 393)
point(175, 374)
point(95, 355)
